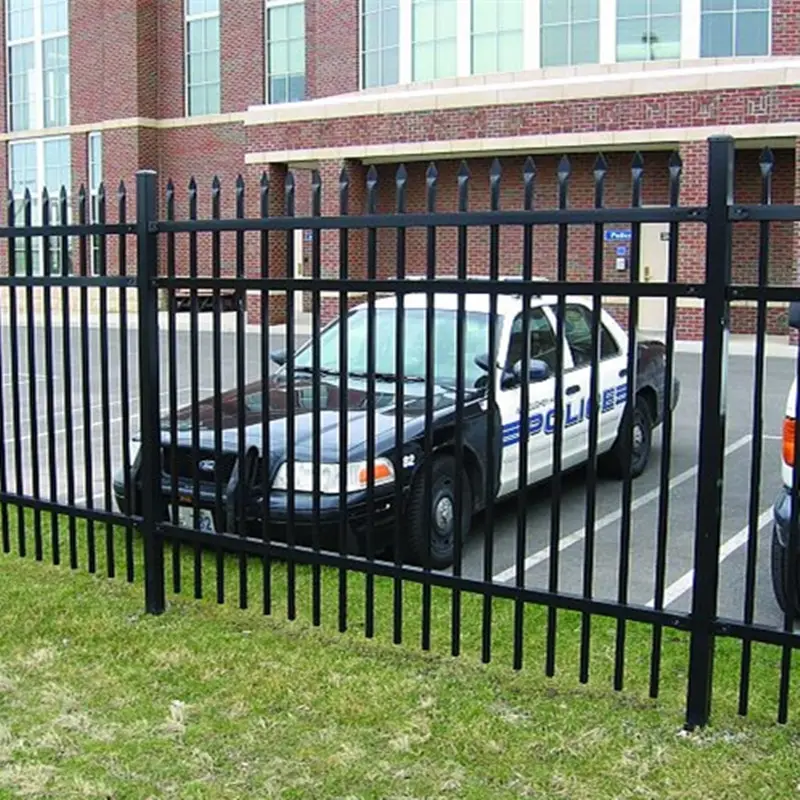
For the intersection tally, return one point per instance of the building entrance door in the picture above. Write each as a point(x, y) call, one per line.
point(654, 260)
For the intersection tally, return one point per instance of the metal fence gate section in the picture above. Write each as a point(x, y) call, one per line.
point(483, 428)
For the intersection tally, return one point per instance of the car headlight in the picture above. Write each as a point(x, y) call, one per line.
point(356, 479)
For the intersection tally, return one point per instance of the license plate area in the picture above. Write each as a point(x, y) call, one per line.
point(205, 519)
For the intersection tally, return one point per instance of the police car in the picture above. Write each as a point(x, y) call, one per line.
point(398, 476)
point(781, 559)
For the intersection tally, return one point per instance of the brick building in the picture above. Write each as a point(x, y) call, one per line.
point(96, 89)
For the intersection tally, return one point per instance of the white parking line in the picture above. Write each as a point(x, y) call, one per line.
point(684, 583)
point(580, 534)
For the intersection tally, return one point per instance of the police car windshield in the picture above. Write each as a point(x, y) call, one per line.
point(445, 330)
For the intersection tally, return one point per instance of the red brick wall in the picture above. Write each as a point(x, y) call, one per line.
point(331, 47)
point(170, 60)
point(785, 27)
point(580, 245)
point(202, 153)
point(243, 54)
point(737, 106)
point(3, 83)
point(147, 49)
point(275, 245)
point(112, 59)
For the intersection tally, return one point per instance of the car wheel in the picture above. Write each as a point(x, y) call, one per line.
point(621, 461)
point(440, 513)
point(779, 570)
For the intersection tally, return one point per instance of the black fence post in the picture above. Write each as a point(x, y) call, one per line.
point(149, 391)
point(712, 430)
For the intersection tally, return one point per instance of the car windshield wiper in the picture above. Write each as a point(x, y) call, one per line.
point(392, 377)
point(311, 371)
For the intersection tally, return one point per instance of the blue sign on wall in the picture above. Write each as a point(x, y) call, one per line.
point(622, 250)
point(617, 236)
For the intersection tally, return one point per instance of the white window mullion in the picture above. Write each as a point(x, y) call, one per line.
point(36, 85)
point(208, 105)
point(690, 29)
point(464, 39)
point(531, 38)
point(608, 31)
point(406, 45)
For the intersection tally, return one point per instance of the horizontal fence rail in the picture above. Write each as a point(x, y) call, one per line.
point(448, 385)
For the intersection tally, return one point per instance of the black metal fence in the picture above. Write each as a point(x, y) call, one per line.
point(373, 453)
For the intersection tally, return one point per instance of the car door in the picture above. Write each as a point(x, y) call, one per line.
point(540, 408)
point(577, 383)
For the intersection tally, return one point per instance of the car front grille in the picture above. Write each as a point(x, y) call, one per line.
point(206, 467)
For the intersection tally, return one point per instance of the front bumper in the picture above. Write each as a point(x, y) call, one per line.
point(782, 517)
point(334, 516)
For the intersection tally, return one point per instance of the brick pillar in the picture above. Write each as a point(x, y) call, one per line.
point(276, 175)
point(692, 236)
point(330, 251)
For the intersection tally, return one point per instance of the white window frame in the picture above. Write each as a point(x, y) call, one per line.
point(187, 20)
point(270, 4)
point(402, 52)
point(463, 39)
point(94, 136)
point(605, 35)
point(524, 5)
point(736, 11)
point(649, 17)
point(36, 92)
point(36, 196)
point(690, 37)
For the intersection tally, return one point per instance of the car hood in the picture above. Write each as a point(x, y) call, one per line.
point(280, 403)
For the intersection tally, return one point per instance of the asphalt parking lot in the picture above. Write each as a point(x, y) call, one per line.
point(538, 503)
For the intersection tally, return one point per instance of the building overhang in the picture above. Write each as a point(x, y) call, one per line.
point(774, 135)
point(564, 84)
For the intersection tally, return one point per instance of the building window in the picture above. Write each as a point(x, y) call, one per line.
point(734, 28)
point(33, 165)
point(570, 32)
point(95, 172)
point(202, 57)
point(434, 35)
point(648, 30)
point(380, 42)
point(497, 36)
point(37, 42)
point(286, 52)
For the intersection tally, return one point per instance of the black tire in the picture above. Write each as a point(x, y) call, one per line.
point(619, 461)
point(442, 527)
point(779, 569)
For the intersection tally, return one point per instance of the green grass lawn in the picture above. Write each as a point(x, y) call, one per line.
point(98, 699)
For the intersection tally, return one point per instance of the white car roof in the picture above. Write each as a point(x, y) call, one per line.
point(506, 303)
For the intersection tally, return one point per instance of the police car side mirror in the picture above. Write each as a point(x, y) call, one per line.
point(537, 371)
point(794, 314)
point(279, 357)
point(483, 362)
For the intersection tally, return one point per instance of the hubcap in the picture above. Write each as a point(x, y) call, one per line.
point(638, 437)
point(443, 514)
